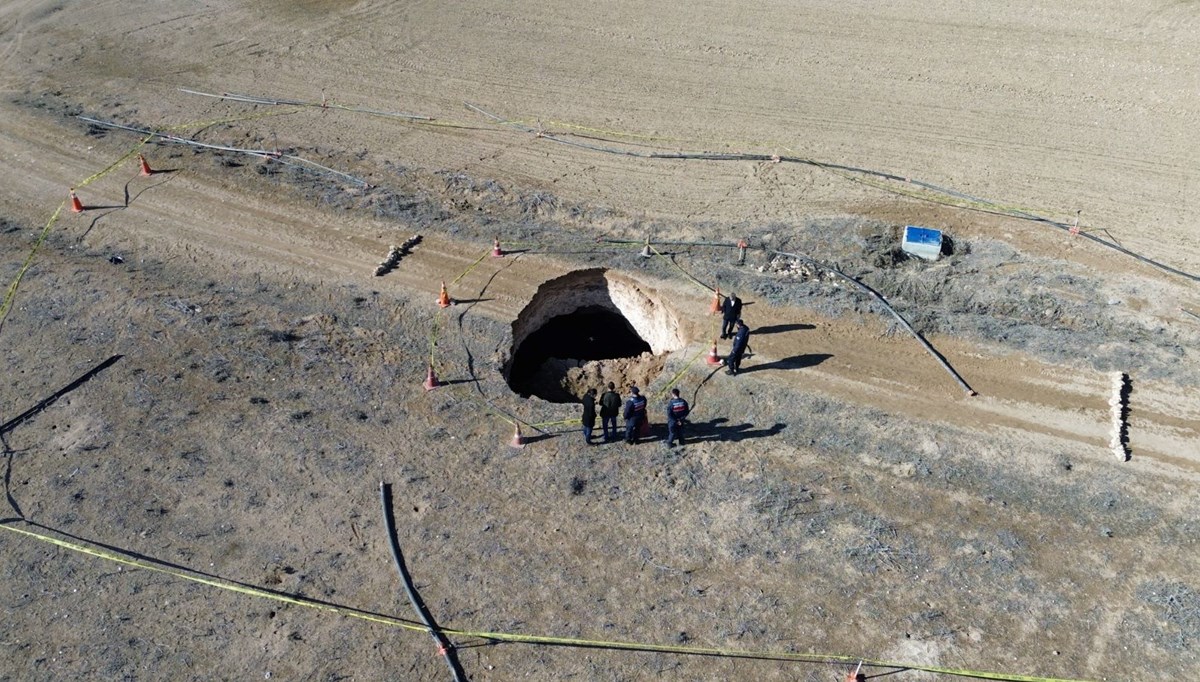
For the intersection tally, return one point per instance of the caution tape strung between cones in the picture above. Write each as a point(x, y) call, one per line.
point(351, 612)
point(936, 194)
point(499, 636)
point(11, 293)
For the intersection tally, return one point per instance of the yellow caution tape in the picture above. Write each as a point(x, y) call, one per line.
point(679, 267)
point(677, 375)
point(350, 612)
point(11, 293)
point(215, 582)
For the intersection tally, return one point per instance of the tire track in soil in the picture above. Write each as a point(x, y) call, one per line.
point(275, 235)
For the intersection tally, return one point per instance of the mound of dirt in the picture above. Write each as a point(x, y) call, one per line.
point(206, 377)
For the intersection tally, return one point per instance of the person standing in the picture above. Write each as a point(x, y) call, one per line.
point(677, 411)
point(740, 341)
point(635, 414)
point(610, 405)
point(588, 420)
point(731, 310)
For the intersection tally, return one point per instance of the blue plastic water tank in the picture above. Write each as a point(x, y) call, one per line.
point(922, 242)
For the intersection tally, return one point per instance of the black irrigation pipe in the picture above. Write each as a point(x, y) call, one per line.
point(716, 156)
point(857, 284)
point(656, 242)
point(286, 159)
point(47, 402)
point(883, 301)
point(445, 648)
point(854, 282)
point(271, 101)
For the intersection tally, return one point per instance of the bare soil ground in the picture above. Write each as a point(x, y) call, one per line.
point(249, 381)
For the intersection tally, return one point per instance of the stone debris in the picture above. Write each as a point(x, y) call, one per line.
point(797, 269)
point(395, 254)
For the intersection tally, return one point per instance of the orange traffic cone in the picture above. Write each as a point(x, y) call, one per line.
point(518, 441)
point(444, 298)
point(713, 358)
point(497, 252)
point(76, 204)
point(716, 304)
point(431, 380)
point(856, 675)
point(146, 170)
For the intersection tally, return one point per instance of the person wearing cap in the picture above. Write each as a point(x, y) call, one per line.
point(731, 310)
point(635, 414)
point(740, 340)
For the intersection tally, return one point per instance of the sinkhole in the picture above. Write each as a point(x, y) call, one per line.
point(585, 329)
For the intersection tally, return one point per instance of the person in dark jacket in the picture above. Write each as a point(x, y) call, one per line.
point(635, 414)
point(589, 415)
point(677, 411)
point(731, 310)
point(740, 341)
point(610, 406)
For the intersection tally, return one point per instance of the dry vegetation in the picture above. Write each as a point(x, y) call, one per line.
point(210, 375)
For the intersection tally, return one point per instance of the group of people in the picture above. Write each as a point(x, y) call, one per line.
point(634, 414)
point(677, 409)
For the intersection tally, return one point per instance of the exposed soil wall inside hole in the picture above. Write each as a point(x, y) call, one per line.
point(588, 328)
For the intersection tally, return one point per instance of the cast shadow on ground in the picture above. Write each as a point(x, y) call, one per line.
point(47, 402)
point(414, 597)
point(107, 210)
point(145, 560)
point(794, 362)
point(33, 412)
point(716, 430)
point(113, 208)
point(780, 328)
point(462, 337)
point(573, 252)
point(886, 673)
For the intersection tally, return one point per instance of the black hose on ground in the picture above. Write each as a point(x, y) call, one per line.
point(883, 301)
point(883, 175)
point(444, 645)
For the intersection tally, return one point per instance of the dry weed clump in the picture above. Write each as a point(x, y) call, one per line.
point(1177, 611)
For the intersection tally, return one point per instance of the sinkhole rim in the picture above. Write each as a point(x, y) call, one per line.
point(640, 306)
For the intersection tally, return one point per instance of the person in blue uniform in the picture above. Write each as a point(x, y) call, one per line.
point(740, 340)
point(677, 411)
point(635, 414)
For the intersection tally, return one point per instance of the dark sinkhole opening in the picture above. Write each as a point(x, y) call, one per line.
point(585, 329)
point(565, 341)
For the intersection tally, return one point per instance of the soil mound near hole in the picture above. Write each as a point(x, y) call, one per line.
point(588, 328)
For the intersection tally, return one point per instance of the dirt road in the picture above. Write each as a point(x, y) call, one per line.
point(844, 486)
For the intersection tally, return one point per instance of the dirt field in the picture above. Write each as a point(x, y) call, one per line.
point(205, 378)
